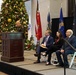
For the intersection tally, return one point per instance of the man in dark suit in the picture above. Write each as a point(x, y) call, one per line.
point(68, 50)
point(46, 43)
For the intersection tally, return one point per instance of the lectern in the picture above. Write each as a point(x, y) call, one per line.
point(12, 47)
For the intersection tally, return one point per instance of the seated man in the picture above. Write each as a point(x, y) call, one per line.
point(46, 43)
point(68, 50)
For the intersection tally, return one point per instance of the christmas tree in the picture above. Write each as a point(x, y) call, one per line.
point(30, 44)
point(14, 17)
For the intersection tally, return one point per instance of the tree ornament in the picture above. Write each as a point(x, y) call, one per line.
point(6, 5)
point(6, 25)
point(13, 16)
point(17, 2)
point(9, 20)
point(21, 13)
point(12, 30)
point(21, 3)
point(6, 11)
point(4, 0)
point(14, 6)
point(7, 29)
point(26, 33)
point(24, 22)
point(18, 24)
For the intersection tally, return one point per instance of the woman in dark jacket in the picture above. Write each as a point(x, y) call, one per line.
point(56, 46)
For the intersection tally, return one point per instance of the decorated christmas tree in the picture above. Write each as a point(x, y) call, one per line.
point(14, 17)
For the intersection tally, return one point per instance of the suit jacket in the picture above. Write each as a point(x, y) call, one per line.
point(72, 41)
point(49, 41)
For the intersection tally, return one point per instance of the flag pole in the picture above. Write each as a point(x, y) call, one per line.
point(48, 20)
point(38, 41)
point(64, 45)
point(64, 52)
point(39, 28)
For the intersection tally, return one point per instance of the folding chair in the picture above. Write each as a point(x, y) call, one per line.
point(43, 58)
point(72, 60)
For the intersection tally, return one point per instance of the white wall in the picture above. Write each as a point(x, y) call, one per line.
point(0, 4)
point(55, 6)
point(45, 6)
point(29, 11)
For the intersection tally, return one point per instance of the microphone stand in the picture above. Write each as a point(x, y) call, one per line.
point(64, 53)
point(64, 59)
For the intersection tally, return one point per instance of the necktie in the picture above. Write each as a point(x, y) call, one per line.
point(46, 39)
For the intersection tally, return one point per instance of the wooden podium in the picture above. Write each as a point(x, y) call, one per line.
point(12, 47)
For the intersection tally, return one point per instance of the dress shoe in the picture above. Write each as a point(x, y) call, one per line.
point(66, 66)
point(36, 55)
point(48, 63)
point(36, 62)
point(60, 65)
point(44, 54)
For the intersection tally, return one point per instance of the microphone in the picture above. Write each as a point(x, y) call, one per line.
point(69, 44)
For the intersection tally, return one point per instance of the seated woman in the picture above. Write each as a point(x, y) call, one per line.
point(56, 46)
